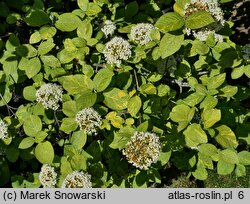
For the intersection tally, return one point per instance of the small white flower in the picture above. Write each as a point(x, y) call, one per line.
point(140, 33)
point(77, 180)
point(202, 35)
point(246, 52)
point(3, 129)
point(88, 120)
point(47, 176)
point(142, 150)
point(49, 95)
point(108, 28)
point(117, 50)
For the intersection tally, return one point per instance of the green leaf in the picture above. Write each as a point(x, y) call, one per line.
point(122, 137)
point(240, 170)
point(35, 38)
point(194, 99)
point(244, 157)
point(200, 173)
point(200, 47)
point(13, 18)
point(210, 117)
point(50, 60)
point(116, 99)
point(67, 22)
point(224, 168)
point(199, 19)
point(237, 72)
point(93, 9)
point(44, 152)
point(26, 143)
point(170, 44)
point(131, 9)
point(4, 170)
point(78, 139)
point(6, 95)
point(29, 93)
point(32, 125)
point(134, 105)
point(216, 81)
point(78, 162)
point(78, 83)
point(69, 108)
point(169, 22)
point(85, 30)
point(26, 50)
point(47, 32)
point(229, 91)
point(66, 56)
point(85, 100)
point(68, 125)
point(102, 79)
point(83, 4)
point(208, 149)
point(12, 154)
point(37, 17)
point(164, 157)
point(226, 137)
point(32, 67)
point(181, 113)
point(229, 156)
point(194, 135)
point(163, 90)
point(148, 88)
point(247, 70)
point(46, 46)
point(40, 136)
point(209, 102)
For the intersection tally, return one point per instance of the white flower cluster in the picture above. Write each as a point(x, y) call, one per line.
point(49, 95)
point(88, 120)
point(142, 150)
point(77, 180)
point(202, 35)
point(140, 33)
point(108, 28)
point(116, 50)
point(3, 129)
point(47, 176)
point(211, 6)
point(246, 52)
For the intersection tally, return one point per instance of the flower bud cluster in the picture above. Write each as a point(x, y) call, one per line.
point(140, 33)
point(3, 129)
point(142, 150)
point(117, 50)
point(49, 95)
point(77, 179)
point(47, 176)
point(108, 28)
point(88, 120)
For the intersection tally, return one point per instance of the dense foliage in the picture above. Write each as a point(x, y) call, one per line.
point(114, 93)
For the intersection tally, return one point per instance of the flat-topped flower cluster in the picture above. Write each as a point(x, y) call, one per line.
point(49, 95)
point(3, 129)
point(142, 150)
